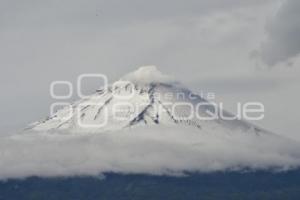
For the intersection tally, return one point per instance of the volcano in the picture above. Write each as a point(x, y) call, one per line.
point(145, 97)
point(144, 123)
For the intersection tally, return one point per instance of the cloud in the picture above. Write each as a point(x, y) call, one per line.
point(282, 43)
point(156, 150)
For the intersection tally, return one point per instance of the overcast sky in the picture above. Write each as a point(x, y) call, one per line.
point(243, 50)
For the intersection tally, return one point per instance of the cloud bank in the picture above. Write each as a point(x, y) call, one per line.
point(155, 150)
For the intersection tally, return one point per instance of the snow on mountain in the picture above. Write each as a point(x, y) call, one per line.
point(143, 97)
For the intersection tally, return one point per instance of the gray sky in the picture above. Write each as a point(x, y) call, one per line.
point(244, 50)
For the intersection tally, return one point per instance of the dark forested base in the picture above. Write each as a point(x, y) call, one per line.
point(229, 185)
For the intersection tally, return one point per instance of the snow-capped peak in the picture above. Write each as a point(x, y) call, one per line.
point(152, 99)
point(147, 74)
